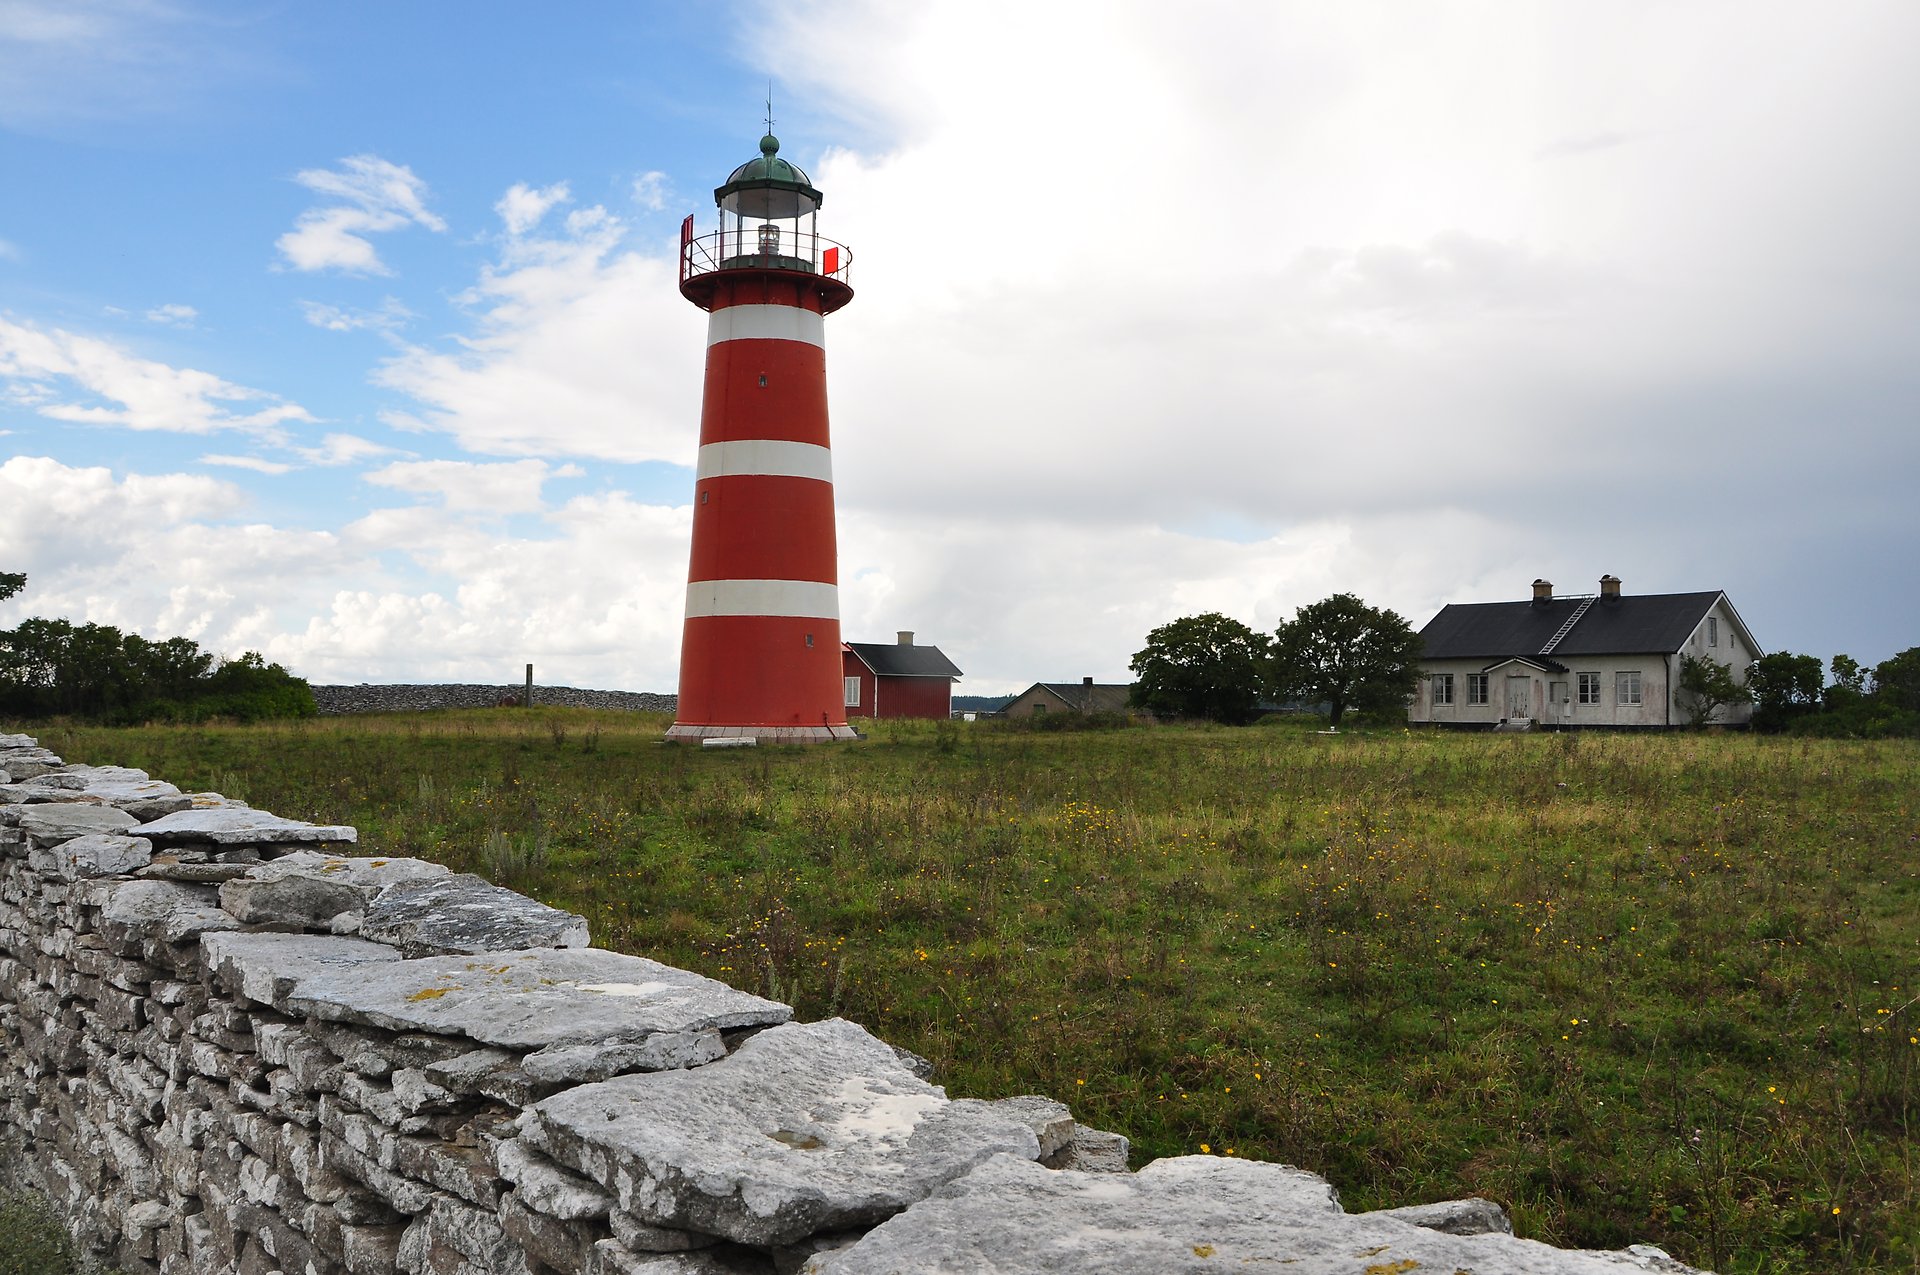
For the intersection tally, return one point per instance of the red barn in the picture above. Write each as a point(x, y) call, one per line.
point(901, 680)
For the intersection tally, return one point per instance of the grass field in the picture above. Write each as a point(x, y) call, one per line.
point(1658, 990)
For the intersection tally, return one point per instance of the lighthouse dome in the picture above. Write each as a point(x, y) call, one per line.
point(768, 186)
point(769, 166)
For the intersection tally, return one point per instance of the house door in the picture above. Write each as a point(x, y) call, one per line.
point(1559, 705)
point(1519, 698)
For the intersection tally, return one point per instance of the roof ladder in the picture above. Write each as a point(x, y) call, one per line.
point(1568, 626)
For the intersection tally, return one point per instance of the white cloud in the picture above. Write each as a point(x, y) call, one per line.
point(255, 463)
point(598, 604)
point(511, 487)
point(343, 449)
point(173, 315)
point(578, 349)
point(398, 595)
point(9, 251)
point(376, 196)
point(522, 207)
point(390, 317)
point(127, 390)
point(651, 189)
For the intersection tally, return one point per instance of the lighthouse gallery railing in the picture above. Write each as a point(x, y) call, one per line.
point(748, 249)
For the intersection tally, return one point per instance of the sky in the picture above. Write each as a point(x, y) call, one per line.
point(349, 333)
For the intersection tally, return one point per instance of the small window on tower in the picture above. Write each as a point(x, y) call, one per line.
point(763, 380)
point(809, 639)
point(703, 497)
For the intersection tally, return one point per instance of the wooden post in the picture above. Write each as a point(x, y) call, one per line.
point(526, 698)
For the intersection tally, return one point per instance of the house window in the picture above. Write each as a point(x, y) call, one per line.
point(1442, 689)
point(1476, 688)
point(1589, 688)
point(1626, 687)
point(1713, 630)
point(853, 692)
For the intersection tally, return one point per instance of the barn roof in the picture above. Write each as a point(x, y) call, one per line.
point(1088, 697)
point(897, 659)
point(1636, 624)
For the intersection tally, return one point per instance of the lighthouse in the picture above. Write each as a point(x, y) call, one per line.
point(760, 650)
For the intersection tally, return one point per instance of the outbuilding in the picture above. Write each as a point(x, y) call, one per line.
point(897, 680)
point(1084, 696)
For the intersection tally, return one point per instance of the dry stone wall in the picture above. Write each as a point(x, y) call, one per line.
point(365, 698)
point(231, 1044)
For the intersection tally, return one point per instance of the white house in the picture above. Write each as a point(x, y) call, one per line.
point(1599, 659)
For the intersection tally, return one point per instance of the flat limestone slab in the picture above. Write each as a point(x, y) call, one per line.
point(240, 826)
point(267, 967)
point(51, 823)
point(1473, 1216)
point(26, 761)
point(462, 914)
point(1188, 1214)
point(98, 854)
point(806, 1128)
point(167, 910)
point(42, 790)
point(131, 790)
point(311, 889)
point(532, 999)
point(121, 783)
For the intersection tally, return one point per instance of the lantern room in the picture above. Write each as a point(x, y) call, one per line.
point(769, 221)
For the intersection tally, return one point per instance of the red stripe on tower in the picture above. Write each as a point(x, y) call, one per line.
point(760, 651)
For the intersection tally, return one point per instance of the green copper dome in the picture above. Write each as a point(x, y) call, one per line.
point(768, 186)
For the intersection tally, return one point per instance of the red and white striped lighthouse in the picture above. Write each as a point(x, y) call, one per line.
point(760, 652)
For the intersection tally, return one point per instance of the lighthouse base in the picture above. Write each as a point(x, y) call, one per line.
point(680, 733)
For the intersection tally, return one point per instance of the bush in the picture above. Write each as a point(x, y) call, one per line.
point(1103, 720)
point(33, 1241)
point(1860, 719)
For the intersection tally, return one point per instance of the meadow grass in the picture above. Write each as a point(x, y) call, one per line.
point(1639, 989)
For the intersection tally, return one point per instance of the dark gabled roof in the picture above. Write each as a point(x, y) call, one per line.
point(1637, 624)
point(892, 659)
point(1100, 697)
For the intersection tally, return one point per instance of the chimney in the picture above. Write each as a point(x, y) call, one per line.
point(1542, 591)
point(904, 637)
point(1609, 586)
point(1086, 681)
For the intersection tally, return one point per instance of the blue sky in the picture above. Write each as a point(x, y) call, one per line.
point(348, 332)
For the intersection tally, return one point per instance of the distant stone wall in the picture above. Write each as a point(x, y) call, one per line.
point(230, 1046)
point(412, 699)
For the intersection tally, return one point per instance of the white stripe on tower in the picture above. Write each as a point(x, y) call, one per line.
point(807, 598)
point(766, 456)
point(766, 323)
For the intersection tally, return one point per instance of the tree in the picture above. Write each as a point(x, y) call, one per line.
point(1206, 666)
point(11, 582)
point(54, 667)
point(1849, 683)
point(1897, 681)
point(1785, 686)
point(1706, 687)
point(1346, 653)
